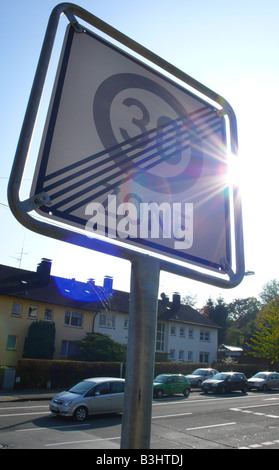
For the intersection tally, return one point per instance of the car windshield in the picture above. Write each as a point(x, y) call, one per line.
point(199, 372)
point(160, 378)
point(81, 387)
point(220, 376)
point(260, 375)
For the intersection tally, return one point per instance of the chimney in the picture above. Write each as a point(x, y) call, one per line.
point(175, 302)
point(91, 282)
point(165, 299)
point(43, 271)
point(108, 281)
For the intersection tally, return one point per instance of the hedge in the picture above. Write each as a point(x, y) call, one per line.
point(38, 373)
point(2, 370)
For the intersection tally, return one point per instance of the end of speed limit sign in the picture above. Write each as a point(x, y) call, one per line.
point(134, 157)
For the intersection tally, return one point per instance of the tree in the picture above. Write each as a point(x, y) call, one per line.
point(189, 299)
point(208, 309)
point(241, 324)
point(265, 342)
point(243, 311)
point(218, 313)
point(40, 342)
point(233, 336)
point(270, 291)
point(97, 347)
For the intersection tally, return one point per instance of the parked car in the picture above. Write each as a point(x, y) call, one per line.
point(91, 396)
point(264, 381)
point(199, 375)
point(169, 384)
point(225, 382)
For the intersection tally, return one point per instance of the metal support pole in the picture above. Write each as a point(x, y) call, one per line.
point(137, 413)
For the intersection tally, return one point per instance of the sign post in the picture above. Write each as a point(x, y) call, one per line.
point(133, 164)
point(136, 423)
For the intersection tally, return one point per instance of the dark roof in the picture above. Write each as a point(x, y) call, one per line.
point(185, 314)
point(71, 293)
point(61, 291)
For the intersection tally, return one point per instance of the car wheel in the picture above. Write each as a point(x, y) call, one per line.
point(81, 413)
point(245, 389)
point(264, 388)
point(223, 390)
point(199, 383)
point(186, 392)
point(159, 393)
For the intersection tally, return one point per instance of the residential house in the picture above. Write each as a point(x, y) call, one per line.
point(184, 333)
point(78, 308)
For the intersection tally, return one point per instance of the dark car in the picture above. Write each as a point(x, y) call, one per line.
point(199, 375)
point(225, 382)
point(169, 384)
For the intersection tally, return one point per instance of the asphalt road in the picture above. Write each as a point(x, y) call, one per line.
point(234, 421)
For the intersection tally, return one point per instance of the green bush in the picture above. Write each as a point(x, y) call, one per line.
point(99, 347)
point(35, 373)
point(183, 368)
point(40, 342)
point(2, 370)
point(247, 369)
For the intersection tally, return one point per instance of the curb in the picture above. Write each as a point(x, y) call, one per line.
point(6, 396)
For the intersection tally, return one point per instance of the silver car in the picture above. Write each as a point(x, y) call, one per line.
point(91, 396)
point(264, 381)
point(199, 375)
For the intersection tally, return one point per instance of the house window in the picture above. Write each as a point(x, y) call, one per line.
point(204, 335)
point(173, 331)
point(48, 314)
point(33, 312)
point(73, 319)
point(69, 348)
point(172, 354)
point(126, 323)
point(107, 320)
point(190, 356)
point(182, 331)
point(204, 357)
point(110, 320)
point(16, 310)
point(160, 337)
point(181, 355)
point(102, 319)
point(11, 342)
point(191, 334)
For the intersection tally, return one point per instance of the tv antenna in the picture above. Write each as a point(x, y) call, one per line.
point(19, 258)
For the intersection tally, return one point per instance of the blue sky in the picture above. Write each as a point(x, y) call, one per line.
point(231, 47)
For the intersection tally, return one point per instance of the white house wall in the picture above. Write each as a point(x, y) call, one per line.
point(119, 332)
point(186, 338)
point(197, 340)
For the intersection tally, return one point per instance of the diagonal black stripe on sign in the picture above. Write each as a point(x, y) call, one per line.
point(134, 170)
point(113, 165)
point(133, 142)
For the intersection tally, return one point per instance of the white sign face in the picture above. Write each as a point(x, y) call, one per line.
point(131, 156)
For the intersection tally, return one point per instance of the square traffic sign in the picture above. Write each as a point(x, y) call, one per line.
point(133, 157)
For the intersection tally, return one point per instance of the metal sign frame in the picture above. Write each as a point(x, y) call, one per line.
point(21, 209)
point(145, 269)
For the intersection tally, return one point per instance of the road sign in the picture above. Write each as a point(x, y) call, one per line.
point(136, 161)
point(134, 157)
